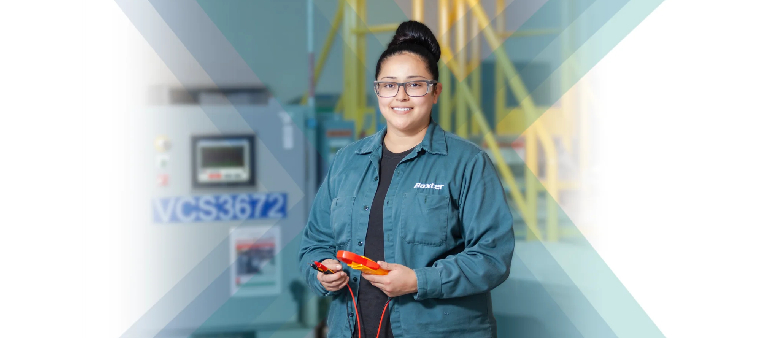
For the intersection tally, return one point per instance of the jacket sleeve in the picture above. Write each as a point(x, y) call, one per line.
point(488, 238)
point(318, 242)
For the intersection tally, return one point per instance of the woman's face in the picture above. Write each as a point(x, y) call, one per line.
point(402, 112)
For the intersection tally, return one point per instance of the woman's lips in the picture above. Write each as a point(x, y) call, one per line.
point(401, 110)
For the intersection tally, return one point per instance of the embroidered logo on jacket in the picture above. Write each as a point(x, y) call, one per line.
point(428, 186)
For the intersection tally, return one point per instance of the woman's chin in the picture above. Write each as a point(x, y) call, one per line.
point(400, 124)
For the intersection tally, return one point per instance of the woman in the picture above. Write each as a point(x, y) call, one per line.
point(425, 204)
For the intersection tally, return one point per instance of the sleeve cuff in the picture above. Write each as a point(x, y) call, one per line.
point(429, 283)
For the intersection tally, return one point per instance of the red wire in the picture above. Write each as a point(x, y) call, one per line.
point(357, 311)
point(382, 313)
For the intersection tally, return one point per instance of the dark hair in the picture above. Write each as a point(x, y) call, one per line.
point(413, 37)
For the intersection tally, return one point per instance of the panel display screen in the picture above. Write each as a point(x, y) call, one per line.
point(223, 157)
point(223, 160)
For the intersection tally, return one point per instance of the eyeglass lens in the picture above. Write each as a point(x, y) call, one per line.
point(389, 89)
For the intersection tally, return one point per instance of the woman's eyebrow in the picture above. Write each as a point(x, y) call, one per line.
point(409, 77)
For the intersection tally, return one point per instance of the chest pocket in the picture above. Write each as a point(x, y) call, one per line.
point(340, 219)
point(424, 219)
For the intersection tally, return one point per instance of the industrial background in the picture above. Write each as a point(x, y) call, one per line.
point(246, 102)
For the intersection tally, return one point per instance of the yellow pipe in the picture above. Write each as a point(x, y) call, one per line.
point(361, 71)
point(452, 17)
point(418, 10)
point(385, 28)
point(551, 182)
point(531, 179)
point(506, 173)
point(350, 64)
point(475, 66)
point(340, 103)
point(444, 30)
point(462, 120)
point(500, 98)
point(500, 23)
point(327, 45)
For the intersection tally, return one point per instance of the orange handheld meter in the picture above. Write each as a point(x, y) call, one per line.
point(361, 263)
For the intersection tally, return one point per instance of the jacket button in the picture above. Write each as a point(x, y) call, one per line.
point(360, 243)
point(376, 178)
point(367, 208)
point(351, 314)
point(354, 279)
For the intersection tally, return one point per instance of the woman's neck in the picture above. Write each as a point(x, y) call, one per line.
point(397, 141)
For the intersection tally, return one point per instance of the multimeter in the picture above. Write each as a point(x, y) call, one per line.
point(361, 263)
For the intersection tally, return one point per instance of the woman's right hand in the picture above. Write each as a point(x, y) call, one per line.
point(333, 282)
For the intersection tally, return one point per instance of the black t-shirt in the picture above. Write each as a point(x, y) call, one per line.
point(371, 299)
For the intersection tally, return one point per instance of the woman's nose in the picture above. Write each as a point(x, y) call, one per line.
point(401, 93)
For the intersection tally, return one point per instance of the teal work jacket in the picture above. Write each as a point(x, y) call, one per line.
point(445, 216)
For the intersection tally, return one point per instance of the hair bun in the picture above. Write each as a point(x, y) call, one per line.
point(416, 33)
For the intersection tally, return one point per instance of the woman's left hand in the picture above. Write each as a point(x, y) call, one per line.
point(401, 280)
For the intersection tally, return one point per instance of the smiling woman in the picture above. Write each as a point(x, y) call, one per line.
point(425, 204)
point(409, 62)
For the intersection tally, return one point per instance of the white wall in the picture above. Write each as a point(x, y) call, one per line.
point(683, 177)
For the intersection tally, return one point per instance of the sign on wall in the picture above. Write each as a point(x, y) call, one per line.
point(256, 268)
point(220, 208)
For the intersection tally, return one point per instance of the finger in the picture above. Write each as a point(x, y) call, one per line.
point(337, 279)
point(340, 284)
point(335, 286)
point(386, 266)
point(333, 277)
point(332, 264)
point(332, 288)
point(374, 278)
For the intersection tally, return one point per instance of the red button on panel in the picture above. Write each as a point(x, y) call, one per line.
point(215, 176)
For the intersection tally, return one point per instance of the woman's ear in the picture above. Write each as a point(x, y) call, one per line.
point(437, 91)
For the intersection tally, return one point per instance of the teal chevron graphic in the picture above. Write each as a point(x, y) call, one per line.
point(556, 289)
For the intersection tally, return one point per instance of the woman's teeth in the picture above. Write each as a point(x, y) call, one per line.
point(402, 109)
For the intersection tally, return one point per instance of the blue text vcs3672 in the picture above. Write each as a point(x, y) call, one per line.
point(220, 208)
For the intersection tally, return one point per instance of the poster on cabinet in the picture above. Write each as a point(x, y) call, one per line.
point(255, 269)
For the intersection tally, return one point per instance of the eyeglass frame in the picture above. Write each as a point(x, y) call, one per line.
point(430, 84)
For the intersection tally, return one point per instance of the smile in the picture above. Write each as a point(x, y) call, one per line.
point(401, 109)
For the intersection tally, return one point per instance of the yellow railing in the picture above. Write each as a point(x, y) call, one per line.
point(536, 131)
point(444, 40)
point(529, 214)
point(352, 15)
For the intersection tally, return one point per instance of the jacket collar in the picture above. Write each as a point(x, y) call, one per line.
point(433, 142)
